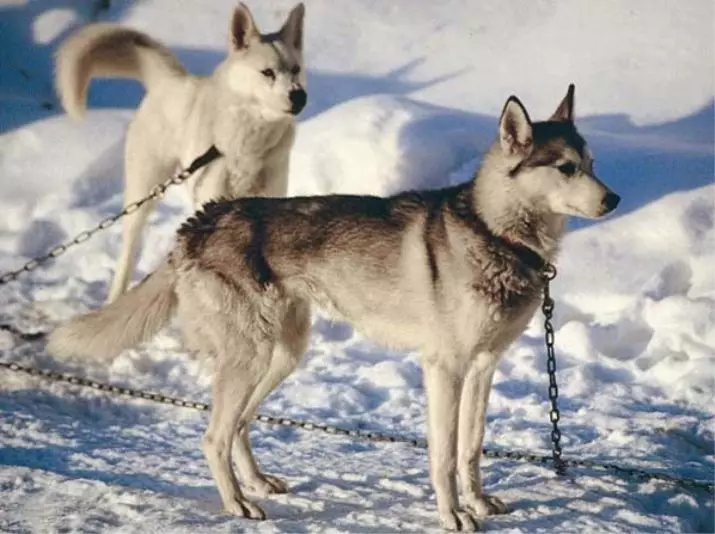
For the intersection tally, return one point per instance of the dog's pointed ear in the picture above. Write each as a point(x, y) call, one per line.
point(243, 28)
point(515, 131)
point(292, 30)
point(564, 113)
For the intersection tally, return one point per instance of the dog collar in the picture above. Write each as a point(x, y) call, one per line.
point(204, 159)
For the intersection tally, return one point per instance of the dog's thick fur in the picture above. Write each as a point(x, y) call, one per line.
point(246, 108)
point(455, 272)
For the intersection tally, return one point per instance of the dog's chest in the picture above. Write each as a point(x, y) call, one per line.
point(255, 140)
point(504, 297)
point(243, 134)
point(256, 160)
point(506, 293)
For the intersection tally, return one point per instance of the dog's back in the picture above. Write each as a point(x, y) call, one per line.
point(362, 258)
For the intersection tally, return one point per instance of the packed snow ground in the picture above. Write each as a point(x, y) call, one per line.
point(402, 94)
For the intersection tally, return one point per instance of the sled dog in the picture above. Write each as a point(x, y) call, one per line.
point(456, 273)
point(247, 108)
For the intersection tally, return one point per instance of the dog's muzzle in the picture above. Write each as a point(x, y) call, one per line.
point(298, 99)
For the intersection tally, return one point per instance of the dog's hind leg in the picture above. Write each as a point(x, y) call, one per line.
point(443, 385)
point(472, 420)
point(131, 231)
point(241, 365)
point(143, 171)
point(286, 356)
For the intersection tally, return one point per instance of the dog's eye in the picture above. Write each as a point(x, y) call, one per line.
point(269, 73)
point(569, 169)
point(295, 70)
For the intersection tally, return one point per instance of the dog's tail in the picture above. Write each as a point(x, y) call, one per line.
point(109, 50)
point(133, 317)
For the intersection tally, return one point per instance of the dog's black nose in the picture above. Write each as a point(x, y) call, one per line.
point(298, 99)
point(611, 201)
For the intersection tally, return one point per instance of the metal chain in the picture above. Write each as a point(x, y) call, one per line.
point(25, 336)
point(549, 273)
point(365, 435)
point(560, 464)
point(635, 472)
point(157, 192)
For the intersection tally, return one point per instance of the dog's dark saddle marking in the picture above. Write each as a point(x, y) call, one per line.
point(433, 219)
point(201, 225)
point(254, 256)
point(204, 224)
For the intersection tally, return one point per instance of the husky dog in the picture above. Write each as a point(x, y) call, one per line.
point(247, 108)
point(455, 272)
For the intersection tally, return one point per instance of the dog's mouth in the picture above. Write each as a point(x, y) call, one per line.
point(578, 212)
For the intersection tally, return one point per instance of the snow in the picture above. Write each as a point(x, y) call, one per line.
point(402, 94)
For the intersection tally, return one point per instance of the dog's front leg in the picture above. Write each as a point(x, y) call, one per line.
point(472, 414)
point(443, 386)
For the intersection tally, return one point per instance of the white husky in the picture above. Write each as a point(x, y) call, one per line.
point(246, 108)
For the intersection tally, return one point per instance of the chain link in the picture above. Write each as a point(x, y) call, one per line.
point(156, 193)
point(25, 336)
point(560, 463)
point(354, 433)
point(547, 307)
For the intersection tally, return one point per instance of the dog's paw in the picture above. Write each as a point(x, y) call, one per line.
point(484, 505)
point(242, 507)
point(264, 485)
point(458, 521)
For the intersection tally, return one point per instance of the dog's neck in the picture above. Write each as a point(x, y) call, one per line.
point(231, 106)
point(522, 226)
point(259, 129)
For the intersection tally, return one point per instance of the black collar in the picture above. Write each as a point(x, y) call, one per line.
point(204, 159)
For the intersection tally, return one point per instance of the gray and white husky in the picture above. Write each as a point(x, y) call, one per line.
point(247, 108)
point(455, 272)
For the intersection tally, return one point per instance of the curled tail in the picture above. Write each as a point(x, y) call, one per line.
point(132, 318)
point(109, 50)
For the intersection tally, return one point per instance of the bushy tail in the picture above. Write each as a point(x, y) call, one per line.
point(132, 318)
point(109, 50)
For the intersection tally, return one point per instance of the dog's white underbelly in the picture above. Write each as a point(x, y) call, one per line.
point(385, 322)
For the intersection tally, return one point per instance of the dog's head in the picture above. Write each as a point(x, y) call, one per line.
point(267, 69)
point(551, 163)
